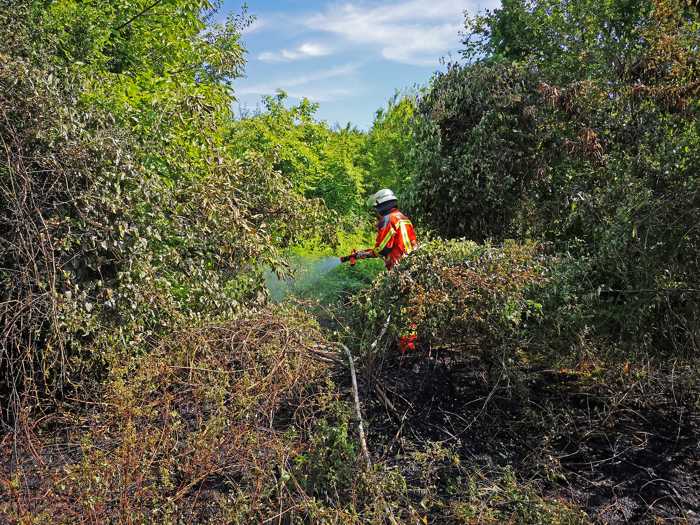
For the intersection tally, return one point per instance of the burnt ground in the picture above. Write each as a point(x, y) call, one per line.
point(623, 454)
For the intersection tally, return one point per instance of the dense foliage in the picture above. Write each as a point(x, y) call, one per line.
point(123, 210)
point(389, 146)
point(460, 295)
point(320, 162)
point(576, 123)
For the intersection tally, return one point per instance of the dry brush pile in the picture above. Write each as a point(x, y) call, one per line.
point(218, 424)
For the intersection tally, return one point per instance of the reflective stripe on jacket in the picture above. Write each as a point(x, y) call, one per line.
point(395, 238)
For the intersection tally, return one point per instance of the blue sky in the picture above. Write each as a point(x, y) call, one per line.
point(350, 55)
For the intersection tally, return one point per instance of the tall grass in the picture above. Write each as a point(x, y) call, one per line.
point(316, 272)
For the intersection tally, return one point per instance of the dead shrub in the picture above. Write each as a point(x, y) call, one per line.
point(207, 427)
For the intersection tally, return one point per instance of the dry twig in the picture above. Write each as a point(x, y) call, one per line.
point(358, 410)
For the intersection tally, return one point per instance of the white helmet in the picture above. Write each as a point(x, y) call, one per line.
point(381, 197)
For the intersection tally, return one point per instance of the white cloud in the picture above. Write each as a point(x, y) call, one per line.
point(304, 85)
point(254, 27)
point(305, 50)
point(412, 31)
point(320, 95)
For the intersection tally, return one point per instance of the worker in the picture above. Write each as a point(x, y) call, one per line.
point(395, 234)
point(395, 239)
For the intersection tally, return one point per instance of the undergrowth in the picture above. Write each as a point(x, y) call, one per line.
point(513, 372)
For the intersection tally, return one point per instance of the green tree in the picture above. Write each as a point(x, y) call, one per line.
point(571, 40)
point(576, 122)
point(124, 212)
point(321, 162)
point(390, 146)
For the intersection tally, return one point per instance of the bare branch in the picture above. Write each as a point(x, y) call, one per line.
point(146, 10)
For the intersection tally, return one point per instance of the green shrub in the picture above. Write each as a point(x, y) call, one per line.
point(543, 135)
point(461, 296)
point(510, 301)
point(119, 222)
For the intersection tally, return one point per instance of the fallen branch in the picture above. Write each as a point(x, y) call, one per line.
point(381, 334)
point(387, 402)
point(358, 410)
point(328, 357)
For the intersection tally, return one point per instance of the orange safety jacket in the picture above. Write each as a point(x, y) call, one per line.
point(395, 238)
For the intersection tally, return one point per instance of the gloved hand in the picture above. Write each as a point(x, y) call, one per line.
point(352, 258)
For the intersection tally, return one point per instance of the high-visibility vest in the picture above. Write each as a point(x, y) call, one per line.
point(395, 238)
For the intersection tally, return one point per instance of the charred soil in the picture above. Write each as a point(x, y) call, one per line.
point(623, 455)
